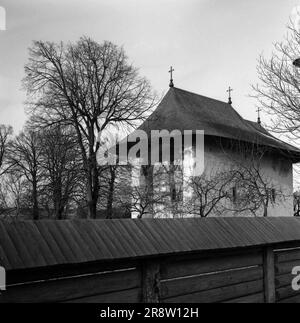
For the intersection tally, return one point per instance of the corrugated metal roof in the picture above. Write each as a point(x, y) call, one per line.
point(183, 110)
point(32, 244)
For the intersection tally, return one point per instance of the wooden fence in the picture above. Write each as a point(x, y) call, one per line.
point(254, 273)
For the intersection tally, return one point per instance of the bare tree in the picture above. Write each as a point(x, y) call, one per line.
point(210, 193)
point(138, 200)
point(141, 192)
point(61, 162)
point(13, 194)
point(278, 91)
point(4, 199)
point(25, 161)
point(5, 136)
point(241, 185)
point(89, 86)
point(254, 189)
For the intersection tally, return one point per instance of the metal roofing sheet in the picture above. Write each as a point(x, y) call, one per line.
point(32, 244)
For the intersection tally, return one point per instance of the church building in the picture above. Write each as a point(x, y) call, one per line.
point(247, 171)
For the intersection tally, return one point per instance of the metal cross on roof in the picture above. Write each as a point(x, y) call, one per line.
point(229, 92)
point(258, 115)
point(171, 74)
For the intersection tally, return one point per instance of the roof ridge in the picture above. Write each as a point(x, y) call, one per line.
point(203, 96)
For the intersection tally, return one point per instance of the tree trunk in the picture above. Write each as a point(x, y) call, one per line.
point(149, 191)
point(110, 198)
point(92, 199)
point(266, 209)
point(35, 210)
point(93, 189)
point(92, 209)
point(89, 201)
point(59, 201)
point(61, 213)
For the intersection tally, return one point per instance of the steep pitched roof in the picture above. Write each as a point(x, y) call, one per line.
point(184, 110)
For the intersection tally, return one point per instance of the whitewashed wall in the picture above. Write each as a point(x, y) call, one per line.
point(275, 169)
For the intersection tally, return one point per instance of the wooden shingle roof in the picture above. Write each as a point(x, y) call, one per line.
point(183, 110)
point(38, 244)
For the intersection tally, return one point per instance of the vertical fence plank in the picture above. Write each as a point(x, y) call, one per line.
point(151, 282)
point(269, 275)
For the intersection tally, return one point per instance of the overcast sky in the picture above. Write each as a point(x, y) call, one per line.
point(211, 43)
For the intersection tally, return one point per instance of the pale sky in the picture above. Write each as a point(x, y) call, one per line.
point(211, 43)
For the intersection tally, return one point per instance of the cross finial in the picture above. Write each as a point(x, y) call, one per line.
point(229, 92)
point(258, 115)
point(171, 76)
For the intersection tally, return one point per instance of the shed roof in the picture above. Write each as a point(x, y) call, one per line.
point(37, 244)
point(183, 110)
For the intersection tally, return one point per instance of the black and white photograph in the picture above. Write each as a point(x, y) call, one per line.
point(149, 155)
